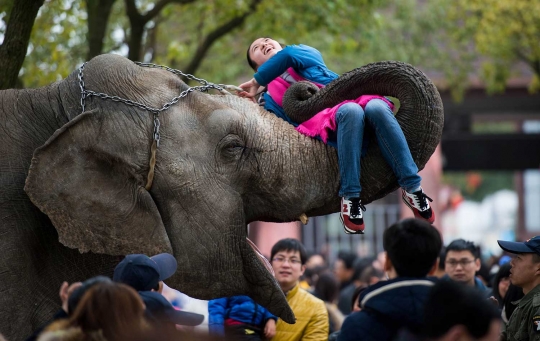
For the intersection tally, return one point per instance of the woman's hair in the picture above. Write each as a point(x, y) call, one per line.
point(514, 293)
point(114, 308)
point(327, 287)
point(250, 61)
point(356, 296)
point(504, 272)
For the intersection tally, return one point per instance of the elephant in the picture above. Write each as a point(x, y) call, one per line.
point(74, 197)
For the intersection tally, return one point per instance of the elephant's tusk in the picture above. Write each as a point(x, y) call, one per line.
point(303, 218)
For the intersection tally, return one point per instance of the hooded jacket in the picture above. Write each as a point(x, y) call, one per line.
point(387, 307)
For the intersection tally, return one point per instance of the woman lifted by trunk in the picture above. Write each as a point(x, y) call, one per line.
point(341, 126)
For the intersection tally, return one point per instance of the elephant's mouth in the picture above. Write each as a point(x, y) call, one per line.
point(262, 258)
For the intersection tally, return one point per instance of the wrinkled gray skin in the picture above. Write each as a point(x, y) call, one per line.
point(222, 163)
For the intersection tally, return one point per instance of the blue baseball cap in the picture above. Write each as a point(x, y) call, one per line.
point(159, 310)
point(143, 273)
point(530, 246)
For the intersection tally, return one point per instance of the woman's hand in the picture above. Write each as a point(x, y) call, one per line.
point(250, 88)
point(270, 328)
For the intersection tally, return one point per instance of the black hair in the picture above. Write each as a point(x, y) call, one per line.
point(289, 244)
point(504, 272)
point(250, 61)
point(450, 304)
point(513, 294)
point(360, 265)
point(78, 293)
point(348, 258)
point(442, 258)
point(412, 245)
point(326, 287)
point(369, 273)
point(463, 245)
point(356, 295)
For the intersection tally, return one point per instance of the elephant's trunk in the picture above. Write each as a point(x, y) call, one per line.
point(420, 114)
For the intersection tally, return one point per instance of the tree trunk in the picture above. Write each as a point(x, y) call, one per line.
point(98, 18)
point(138, 22)
point(16, 39)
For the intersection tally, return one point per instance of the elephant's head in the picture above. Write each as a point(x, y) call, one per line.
point(222, 162)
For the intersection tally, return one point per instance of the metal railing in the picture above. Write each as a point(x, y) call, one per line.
point(325, 234)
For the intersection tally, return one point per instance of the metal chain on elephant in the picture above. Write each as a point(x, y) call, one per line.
point(156, 111)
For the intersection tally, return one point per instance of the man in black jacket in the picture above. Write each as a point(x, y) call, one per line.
point(412, 247)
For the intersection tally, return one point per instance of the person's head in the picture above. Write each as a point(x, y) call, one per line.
point(371, 275)
point(525, 271)
point(360, 264)
point(315, 260)
point(343, 267)
point(78, 293)
point(261, 50)
point(114, 308)
point(327, 287)
point(458, 312)
point(462, 261)
point(288, 257)
point(412, 247)
point(501, 282)
point(145, 273)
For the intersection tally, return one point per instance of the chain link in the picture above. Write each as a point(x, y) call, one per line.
point(156, 111)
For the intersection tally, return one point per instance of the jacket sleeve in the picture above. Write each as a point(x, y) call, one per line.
point(295, 56)
point(318, 327)
point(216, 315)
point(267, 315)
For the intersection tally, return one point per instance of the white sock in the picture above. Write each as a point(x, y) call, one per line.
point(419, 188)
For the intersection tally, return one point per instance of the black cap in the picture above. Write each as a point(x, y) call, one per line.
point(530, 246)
point(143, 273)
point(159, 309)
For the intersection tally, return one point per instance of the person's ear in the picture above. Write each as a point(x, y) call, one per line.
point(302, 269)
point(477, 264)
point(387, 266)
point(434, 267)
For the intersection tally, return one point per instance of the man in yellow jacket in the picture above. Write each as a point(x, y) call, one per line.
point(288, 259)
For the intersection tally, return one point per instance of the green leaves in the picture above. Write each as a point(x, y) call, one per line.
point(453, 40)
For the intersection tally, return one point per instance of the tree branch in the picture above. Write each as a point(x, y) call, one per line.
point(217, 33)
point(160, 5)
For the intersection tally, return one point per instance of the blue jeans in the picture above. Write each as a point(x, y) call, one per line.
point(351, 122)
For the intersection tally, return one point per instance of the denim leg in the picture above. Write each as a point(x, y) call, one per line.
point(350, 132)
point(393, 144)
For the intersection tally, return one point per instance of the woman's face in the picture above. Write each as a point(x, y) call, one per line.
point(262, 49)
point(503, 286)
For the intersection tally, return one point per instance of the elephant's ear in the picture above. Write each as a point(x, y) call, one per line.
point(86, 180)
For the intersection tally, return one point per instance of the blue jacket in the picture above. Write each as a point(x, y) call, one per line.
point(239, 308)
point(387, 307)
point(305, 60)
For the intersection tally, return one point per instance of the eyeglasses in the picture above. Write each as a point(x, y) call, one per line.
point(464, 262)
point(292, 261)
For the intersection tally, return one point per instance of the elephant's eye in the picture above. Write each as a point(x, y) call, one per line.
point(232, 145)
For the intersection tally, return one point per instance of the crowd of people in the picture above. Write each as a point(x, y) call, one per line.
point(417, 290)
